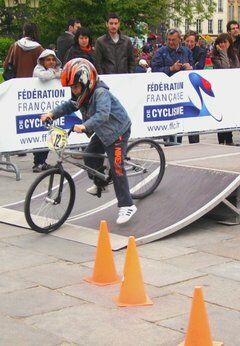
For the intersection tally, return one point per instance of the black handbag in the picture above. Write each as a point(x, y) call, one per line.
point(9, 70)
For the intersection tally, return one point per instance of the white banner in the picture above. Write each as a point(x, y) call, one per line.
point(158, 105)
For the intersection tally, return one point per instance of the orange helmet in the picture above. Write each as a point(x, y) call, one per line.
point(81, 71)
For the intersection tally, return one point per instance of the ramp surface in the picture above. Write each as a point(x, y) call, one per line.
point(197, 179)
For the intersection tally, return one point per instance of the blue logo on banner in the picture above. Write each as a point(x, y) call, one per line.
point(184, 109)
point(32, 123)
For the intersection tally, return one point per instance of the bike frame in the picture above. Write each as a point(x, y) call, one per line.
point(86, 168)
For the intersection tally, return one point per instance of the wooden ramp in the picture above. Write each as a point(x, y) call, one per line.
point(193, 185)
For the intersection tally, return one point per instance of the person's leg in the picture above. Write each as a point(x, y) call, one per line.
point(193, 139)
point(229, 137)
point(116, 153)
point(94, 146)
point(39, 161)
point(172, 139)
point(220, 138)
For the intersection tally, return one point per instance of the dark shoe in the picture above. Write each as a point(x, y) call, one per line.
point(37, 169)
point(40, 168)
point(46, 166)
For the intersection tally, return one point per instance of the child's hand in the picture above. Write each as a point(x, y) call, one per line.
point(46, 116)
point(79, 128)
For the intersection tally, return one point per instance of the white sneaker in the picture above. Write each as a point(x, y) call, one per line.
point(125, 214)
point(93, 190)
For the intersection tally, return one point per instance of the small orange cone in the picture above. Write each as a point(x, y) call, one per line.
point(132, 291)
point(198, 333)
point(104, 272)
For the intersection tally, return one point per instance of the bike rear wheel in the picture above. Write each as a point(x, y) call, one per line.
point(49, 200)
point(145, 167)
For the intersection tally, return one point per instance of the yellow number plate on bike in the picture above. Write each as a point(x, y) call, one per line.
point(57, 139)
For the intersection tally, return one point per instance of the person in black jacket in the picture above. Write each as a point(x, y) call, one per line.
point(199, 53)
point(199, 56)
point(233, 31)
point(66, 40)
point(82, 47)
point(114, 51)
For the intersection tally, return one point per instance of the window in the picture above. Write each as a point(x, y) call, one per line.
point(220, 25)
point(220, 6)
point(231, 12)
point(238, 13)
point(199, 26)
point(210, 26)
point(176, 23)
point(186, 25)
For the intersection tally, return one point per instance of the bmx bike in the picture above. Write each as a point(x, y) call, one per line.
point(50, 198)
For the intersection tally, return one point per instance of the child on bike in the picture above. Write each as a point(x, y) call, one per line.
point(106, 119)
point(48, 67)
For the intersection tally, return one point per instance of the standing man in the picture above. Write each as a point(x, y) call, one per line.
point(199, 56)
point(66, 40)
point(233, 31)
point(172, 58)
point(114, 51)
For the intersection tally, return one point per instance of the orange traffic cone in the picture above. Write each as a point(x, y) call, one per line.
point(132, 291)
point(198, 333)
point(104, 272)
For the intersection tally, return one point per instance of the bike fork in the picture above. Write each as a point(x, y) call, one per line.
point(57, 199)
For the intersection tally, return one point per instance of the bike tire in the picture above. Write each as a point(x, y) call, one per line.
point(46, 217)
point(145, 167)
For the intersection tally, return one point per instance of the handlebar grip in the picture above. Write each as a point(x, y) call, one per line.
point(48, 122)
point(70, 130)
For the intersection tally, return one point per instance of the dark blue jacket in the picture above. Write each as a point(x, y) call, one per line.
point(199, 57)
point(166, 57)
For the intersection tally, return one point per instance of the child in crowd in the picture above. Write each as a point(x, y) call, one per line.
point(142, 67)
point(106, 120)
point(48, 67)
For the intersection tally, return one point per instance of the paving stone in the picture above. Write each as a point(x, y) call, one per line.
point(109, 327)
point(164, 307)
point(216, 290)
point(228, 248)
point(54, 275)
point(10, 284)
point(229, 270)
point(196, 261)
point(34, 301)
point(161, 274)
point(57, 247)
point(158, 250)
point(154, 272)
point(224, 324)
point(192, 236)
point(7, 231)
point(14, 258)
point(18, 334)
point(91, 293)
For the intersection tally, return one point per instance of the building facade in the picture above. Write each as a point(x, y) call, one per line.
point(210, 28)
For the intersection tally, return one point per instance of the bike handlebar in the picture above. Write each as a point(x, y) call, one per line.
point(48, 123)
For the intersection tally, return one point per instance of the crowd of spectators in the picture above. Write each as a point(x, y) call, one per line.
point(114, 53)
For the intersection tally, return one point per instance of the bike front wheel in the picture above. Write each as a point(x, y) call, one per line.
point(49, 200)
point(145, 167)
